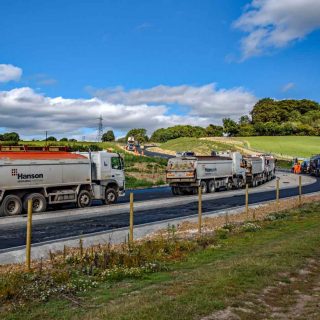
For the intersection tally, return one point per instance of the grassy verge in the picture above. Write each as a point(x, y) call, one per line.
point(134, 183)
point(197, 276)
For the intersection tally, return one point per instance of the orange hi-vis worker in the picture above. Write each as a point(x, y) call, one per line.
point(297, 168)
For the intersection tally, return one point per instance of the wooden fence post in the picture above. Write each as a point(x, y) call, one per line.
point(247, 201)
point(278, 192)
point(131, 218)
point(300, 190)
point(199, 209)
point(29, 235)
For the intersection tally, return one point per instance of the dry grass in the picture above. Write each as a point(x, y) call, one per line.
point(187, 228)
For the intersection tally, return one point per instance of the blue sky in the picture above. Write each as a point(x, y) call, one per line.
point(211, 59)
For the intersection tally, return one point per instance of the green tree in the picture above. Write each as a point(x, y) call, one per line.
point(244, 120)
point(163, 135)
point(230, 127)
point(108, 136)
point(51, 138)
point(64, 139)
point(246, 130)
point(214, 131)
point(11, 136)
point(139, 135)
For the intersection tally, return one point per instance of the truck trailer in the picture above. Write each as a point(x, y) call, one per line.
point(185, 173)
point(259, 169)
point(58, 177)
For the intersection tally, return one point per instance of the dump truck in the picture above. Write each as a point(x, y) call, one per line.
point(259, 169)
point(185, 173)
point(315, 165)
point(53, 177)
point(131, 144)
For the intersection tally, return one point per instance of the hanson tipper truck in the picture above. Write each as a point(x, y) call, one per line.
point(57, 177)
point(186, 173)
point(259, 169)
point(224, 170)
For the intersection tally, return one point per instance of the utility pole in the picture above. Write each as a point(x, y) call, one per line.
point(100, 129)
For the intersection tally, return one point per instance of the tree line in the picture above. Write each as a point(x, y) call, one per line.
point(277, 118)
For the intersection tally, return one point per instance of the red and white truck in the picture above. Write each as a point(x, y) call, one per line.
point(58, 177)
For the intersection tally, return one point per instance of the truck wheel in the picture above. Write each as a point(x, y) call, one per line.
point(11, 206)
point(84, 199)
point(211, 186)
point(39, 203)
point(176, 191)
point(204, 187)
point(229, 185)
point(240, 183)
point(111, 196)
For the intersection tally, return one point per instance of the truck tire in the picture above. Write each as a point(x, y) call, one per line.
point(211, 186)
point(111, 196)
point(204, 186)
point(39, 202)
point(229, 185)
point(84, 199)
point(240, 183)
point(11, 206)
point(176, 191)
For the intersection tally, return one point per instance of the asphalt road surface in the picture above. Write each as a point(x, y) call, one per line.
point(14, 235)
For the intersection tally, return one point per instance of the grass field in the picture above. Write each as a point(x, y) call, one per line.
point(194, 144)
point(285, 147)
point(249, 275)
point(295, 146)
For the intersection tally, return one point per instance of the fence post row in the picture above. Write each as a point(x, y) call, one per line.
point(29, 235)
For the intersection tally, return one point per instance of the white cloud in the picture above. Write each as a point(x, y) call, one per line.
point(31, 113)
point(288, 86)
point(273, 24)
point(8, 72)
point(204, 101)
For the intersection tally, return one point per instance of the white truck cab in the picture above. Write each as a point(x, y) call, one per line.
point(55, 177)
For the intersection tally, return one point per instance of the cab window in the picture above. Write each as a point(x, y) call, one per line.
point(116, 163)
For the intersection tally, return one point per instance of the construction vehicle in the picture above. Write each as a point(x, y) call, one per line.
point(259, 169)
point(224, 170)
point(185, 173)
point(305, 166)
point(315, 165)
point(131, 144)
point(53, 176)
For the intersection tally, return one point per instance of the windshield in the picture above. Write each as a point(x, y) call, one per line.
point(117, 163)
